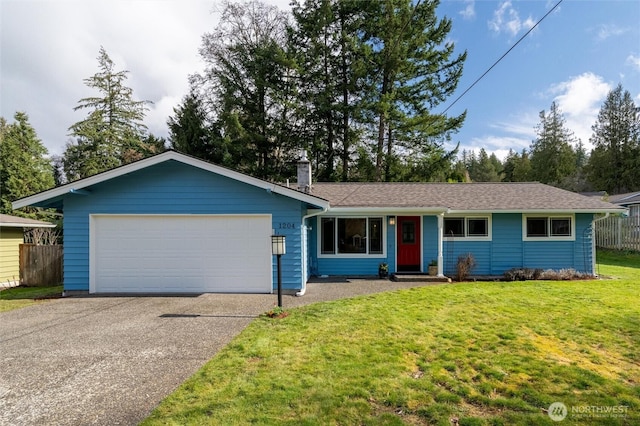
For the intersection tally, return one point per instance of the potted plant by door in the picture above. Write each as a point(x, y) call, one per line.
point(433, 267)
point(383, 270)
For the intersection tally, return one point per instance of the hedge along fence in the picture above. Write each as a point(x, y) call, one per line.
point(618, 233)
point(40, 265)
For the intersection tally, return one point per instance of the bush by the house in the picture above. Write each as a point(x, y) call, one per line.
point(466, 263)
point(525, 274)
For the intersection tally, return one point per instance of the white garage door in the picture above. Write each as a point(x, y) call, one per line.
point(180, 254)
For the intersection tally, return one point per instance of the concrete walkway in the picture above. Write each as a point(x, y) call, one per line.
point(111, 360)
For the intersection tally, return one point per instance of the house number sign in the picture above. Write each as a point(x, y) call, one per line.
point(286, 225)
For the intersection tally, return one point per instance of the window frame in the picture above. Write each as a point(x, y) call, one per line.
point(549, 227)
point(336, 253)
point(466, 236)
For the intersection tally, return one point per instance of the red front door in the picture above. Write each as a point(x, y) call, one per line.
point(408, 237)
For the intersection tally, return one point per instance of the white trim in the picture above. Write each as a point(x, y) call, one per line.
point(488, 237)
point(160, 158)
point(391, 211)
point(537, 211)
point(337, 255)
point(571, 216)
point(25, 225)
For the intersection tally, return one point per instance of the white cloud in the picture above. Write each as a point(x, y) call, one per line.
point(605, 31)
point(634, 61)
point(469, 12)
point(49, 47)
point(580, 99)
point(506, 19)
point(499, 145)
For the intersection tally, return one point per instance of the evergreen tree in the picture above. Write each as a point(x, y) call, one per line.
point(248, 85)
point(192, 134)
point(414, 70)
point(24, 168)
point(553, 159)
point(112, 134)
point(614, 164)
point(486, 168)
point(330, 62)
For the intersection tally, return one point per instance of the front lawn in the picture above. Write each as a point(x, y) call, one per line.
point(19, 297)
point(475, 353)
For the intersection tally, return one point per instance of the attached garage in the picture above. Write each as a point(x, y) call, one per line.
point(180, 254)
point(175, 224)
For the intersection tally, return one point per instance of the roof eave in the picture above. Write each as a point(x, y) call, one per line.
point(387, 210)
point(160, 158)
point(25, 225)
point(538, 211)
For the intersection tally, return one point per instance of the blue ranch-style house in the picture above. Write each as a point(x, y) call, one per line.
point(176, 224)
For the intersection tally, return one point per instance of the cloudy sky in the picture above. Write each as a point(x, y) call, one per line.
point(575, 56)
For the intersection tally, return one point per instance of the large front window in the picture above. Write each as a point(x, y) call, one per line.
point(351, 235)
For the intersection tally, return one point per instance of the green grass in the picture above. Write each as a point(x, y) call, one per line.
point(19, 297)
point(485, 353)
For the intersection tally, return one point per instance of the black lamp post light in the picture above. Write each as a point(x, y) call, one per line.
point(278, 248)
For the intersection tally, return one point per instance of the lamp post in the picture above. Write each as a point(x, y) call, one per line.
point(278, 248)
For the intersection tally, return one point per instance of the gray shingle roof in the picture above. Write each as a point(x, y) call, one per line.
point(22, 222)
point(482, 197)
point(625, 199)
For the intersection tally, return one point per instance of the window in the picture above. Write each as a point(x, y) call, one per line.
point(548, 227)
point(351, 236)
point(375, 235)
point(454, 227)
point(466, 227)
point(328, 238)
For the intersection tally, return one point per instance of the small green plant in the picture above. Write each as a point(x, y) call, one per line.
point(277, 312)
point(383, 270)
point(433, 262)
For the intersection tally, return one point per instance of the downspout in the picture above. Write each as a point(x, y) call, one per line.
point(593, 242)
point(303, 228)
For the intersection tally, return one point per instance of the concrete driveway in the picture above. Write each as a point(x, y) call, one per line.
point(110, 361)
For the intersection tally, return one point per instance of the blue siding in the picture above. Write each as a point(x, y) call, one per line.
point(507, 249)
point(176, 188)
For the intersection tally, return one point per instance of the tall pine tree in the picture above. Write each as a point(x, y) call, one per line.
point(614, 164)
point(24, 168)
point(553, 159)
point(112, 134)
point(414, 70)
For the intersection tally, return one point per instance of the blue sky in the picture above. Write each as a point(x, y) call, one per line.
point(578, 53)
point(575, 56)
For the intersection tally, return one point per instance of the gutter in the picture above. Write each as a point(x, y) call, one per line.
point(303, 227)
point(593, 243)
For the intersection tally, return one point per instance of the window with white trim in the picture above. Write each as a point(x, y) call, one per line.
point(543, 228)
point(469, 227)
point(351, 236)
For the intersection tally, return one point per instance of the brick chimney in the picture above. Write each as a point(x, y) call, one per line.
point(304, 173)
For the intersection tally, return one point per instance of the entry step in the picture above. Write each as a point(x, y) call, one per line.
point(419, 278)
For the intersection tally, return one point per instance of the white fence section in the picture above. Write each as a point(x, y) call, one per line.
point(618, 233)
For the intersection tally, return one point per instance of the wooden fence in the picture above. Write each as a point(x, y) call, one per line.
point(618, 233)
point(40, 265)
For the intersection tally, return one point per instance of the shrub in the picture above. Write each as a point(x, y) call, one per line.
point(523, 274)
point(526, 274)
point(466, 263)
